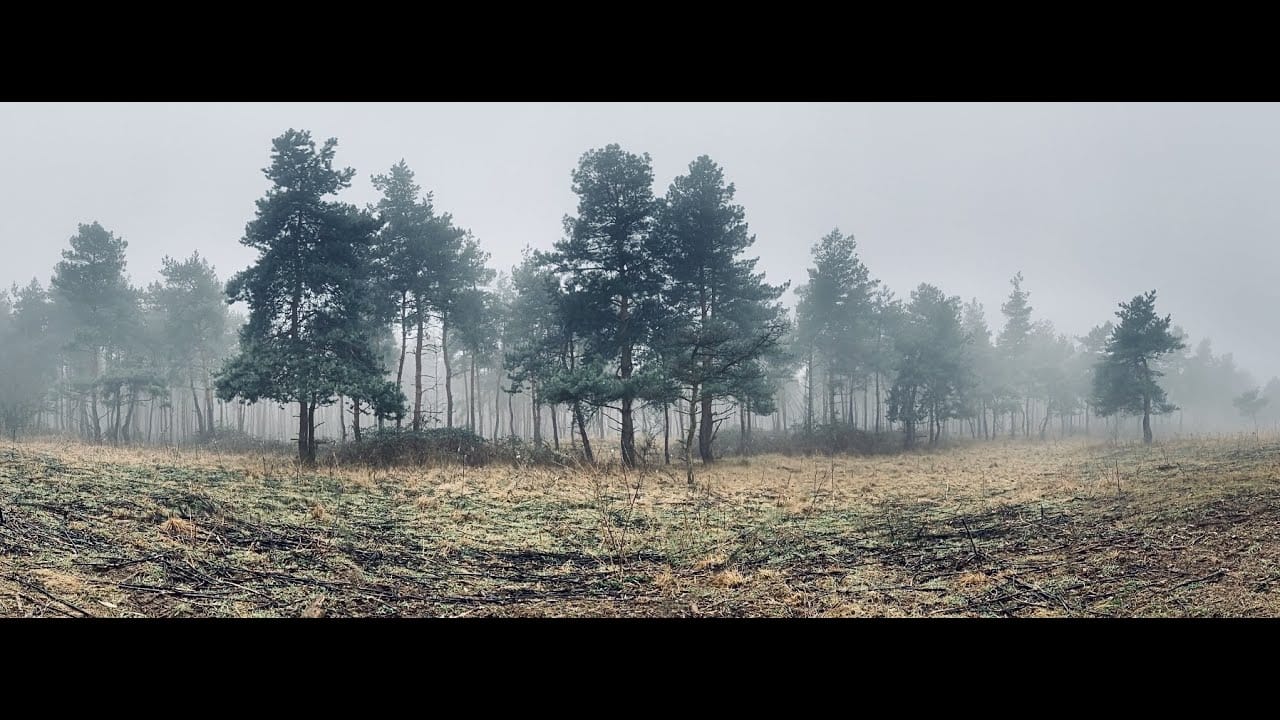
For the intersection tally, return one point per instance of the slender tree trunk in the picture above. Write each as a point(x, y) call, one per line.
point(448, 373)
point(1146, 419)
point(582, 430)
point(511, 417)
point(689, 434)
point(555, 428)
point(497, 405)
point(417, 374)
point(666, 434)
point(195, 402)
point(355, 419)
point(808, 377)
point(342, 417)
point(404, 347)
point(537, 413)
point(472, 400)
point(303, 432)
point(93, 399)
point(877, 402)
point(208, 400)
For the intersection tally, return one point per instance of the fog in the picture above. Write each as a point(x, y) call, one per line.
point(1092, 203)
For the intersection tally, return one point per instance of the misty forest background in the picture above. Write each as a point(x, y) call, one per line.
point(647, 330)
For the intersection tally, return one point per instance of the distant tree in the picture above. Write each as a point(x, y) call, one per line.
point(1092, 347)
point(95, 307)
point(476, 317)
point(455, 268)
point(537, 334)
point(934, 372)
point(403, 259)
point(607, 259)
point(26, 349)
point(313, 307)
point(191, 304)
point(985, 365)
point(835, 317)
point(1014, 344)
point(1125, 377)
point(1250, 403)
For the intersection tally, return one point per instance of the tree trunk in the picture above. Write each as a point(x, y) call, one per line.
point(666, 434)
point(537, 413)
point(705, 432)
point(472, 400)
point(417, 375)
point(303, 436)
point(311, 434)
point(582, 430)
point(342, 417)
point(877, 403)
point(1146, 419)
point(208, 402)
point(448, 374)
point(404, 347)
point(689, 434)
point(808, 377)
point(497, 404)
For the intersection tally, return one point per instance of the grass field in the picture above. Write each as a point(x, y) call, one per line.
point(1186, 528)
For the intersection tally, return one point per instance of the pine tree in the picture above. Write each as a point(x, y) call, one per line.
point(1013, 343)
point(719, 318)
point(934, 371)
point(96, 307)
point(26, 346)
point(1250, 403)
point(606, 255)
point(193, 318)
point(1125, 379)
point(314, 310)
point(835, 315)
point(455, 267)
point(403, 258)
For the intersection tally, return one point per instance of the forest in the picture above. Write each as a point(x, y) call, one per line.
point(647, 333)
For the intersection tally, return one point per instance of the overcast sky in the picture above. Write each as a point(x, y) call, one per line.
point(1094, 203)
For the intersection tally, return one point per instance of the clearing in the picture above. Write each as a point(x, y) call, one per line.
point(1182, 528)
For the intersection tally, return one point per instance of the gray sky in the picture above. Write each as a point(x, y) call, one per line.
point(1092, 202)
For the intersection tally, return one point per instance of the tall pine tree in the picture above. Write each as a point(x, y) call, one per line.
point(607, 258)
point(314, 312)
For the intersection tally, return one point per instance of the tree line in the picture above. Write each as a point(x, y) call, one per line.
point(647, 318)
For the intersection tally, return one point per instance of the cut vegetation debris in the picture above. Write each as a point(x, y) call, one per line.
point(1186, 528)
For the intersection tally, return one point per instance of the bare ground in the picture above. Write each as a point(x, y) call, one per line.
point(1185, 528)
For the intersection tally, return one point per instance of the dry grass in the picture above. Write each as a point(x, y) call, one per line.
point(1030, 529)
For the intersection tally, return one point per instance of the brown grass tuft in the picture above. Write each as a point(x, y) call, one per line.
point(666, 579)
point(177, 526)
point(713, 560)
point(728, 579)
point(318, 513)
point(58, 582)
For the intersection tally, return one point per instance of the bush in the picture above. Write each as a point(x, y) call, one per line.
point(389, 446)
point(822, 439)
point(517, 451)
